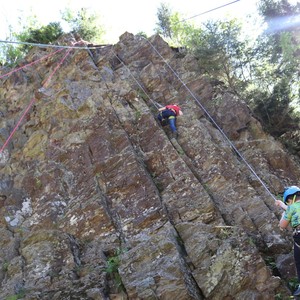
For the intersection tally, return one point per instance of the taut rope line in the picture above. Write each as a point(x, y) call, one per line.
point(157, 105)
point(213, 121)
point(32, 63)
point(54, 46)
point(33, 100)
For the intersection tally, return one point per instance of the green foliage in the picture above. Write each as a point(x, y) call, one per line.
point(172, 28)
point(274, 110)
point(20, 295)
point(281, 297)
point(183, 32)
point(221, 52)
point(5, 266)
point(12, 297)
point(217, 45)
point(38, 183)
point(138, 115)
point(293, 284)
point(274, 94)
point(225, 233)
point(164, 23)
point(181, 152)
point(81, 22)
point(42, 35)
point(86, 24)
point(113, 263)
point(142, 34)
point(252, 242)
point(270, 262)
point(272, 9)
point(11, 54)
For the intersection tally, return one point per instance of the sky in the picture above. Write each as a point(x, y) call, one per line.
point(134, 16)
point(119, 16)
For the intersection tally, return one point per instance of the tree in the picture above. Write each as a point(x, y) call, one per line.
point(12, 53)
point(164, 23)
point(85, 24)
point(81, 22)
point(170, 25)
point(43, 35)
point(217, 45)
point(221, 52)
point(274, 109)
point(264, 73)
point(276, 75)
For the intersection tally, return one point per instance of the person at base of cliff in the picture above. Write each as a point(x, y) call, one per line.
point(291, 216)
point(167, 115)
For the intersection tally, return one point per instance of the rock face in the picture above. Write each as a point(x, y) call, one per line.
point(97, 202)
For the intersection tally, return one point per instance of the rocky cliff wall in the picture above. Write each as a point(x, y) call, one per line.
point(97, 202)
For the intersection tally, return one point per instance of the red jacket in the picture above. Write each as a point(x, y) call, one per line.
point(175, 108)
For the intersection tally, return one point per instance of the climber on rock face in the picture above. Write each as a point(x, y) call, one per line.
point(291, 216)
point(167, 115)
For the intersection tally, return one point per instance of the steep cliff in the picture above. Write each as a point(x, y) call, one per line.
point(97, 202)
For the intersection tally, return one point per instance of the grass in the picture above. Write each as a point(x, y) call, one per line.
point(112, 269)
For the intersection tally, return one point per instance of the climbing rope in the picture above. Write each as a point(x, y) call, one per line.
point(156, 104)
point(34, 99)
point(30, 64)
point(213, 121)
point(208, 11)
point(54, 46)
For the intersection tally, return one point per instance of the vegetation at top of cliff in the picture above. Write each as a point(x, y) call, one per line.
point(264, 72)
point(86, 24)
point(82, 22)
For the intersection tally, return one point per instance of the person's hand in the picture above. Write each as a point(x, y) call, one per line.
point(281, 204)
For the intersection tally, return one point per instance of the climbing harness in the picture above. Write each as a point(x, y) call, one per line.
point(156, 104)
point(212, 120)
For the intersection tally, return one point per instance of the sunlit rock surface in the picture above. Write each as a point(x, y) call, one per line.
point(98, 203)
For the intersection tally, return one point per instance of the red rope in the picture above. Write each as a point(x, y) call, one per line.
point(32, 63)
point(16, 127)
point(33, 100)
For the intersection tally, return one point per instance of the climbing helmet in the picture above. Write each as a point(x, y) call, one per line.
point(289, 191)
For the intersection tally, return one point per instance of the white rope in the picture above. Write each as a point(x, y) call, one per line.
point(213, 121)
point(208, 11)
point(156, 104)
point(54, 46)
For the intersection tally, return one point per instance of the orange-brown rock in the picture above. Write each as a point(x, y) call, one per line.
point(97, 202)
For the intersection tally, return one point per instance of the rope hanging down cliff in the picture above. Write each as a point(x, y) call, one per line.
point(30, 64)
point(34, 99)
point(156, 104)
point(212, 120)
